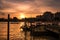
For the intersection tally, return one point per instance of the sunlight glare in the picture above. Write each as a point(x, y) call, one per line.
point(22, 16)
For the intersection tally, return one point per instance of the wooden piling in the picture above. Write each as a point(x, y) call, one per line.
point(8, 27)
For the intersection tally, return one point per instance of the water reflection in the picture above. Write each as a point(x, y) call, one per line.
point(15, 32)
point(3, 31)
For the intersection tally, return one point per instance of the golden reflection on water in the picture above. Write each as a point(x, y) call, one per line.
point(15, 32)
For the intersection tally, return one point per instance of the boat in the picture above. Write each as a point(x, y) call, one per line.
point(40, 30)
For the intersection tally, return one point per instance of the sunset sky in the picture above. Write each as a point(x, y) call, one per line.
point(27, 8)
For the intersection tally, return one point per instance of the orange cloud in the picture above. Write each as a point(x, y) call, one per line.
point(23, 7)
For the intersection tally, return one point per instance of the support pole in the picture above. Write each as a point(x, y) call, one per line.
point(8, 28)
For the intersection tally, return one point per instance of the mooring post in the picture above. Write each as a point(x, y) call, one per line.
point(8, 27)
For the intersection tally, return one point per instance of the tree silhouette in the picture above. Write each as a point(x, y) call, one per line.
point(39, 18)
point(48, 16)
point(15, 19)
point(57, 16)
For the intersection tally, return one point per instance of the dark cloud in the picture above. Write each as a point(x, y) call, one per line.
point(55, 3)
point(36, 4)
point(16, 1)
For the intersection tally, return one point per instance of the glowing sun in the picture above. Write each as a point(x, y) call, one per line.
point(22, 16)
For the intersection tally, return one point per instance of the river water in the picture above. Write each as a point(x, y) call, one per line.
point(15, 31)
